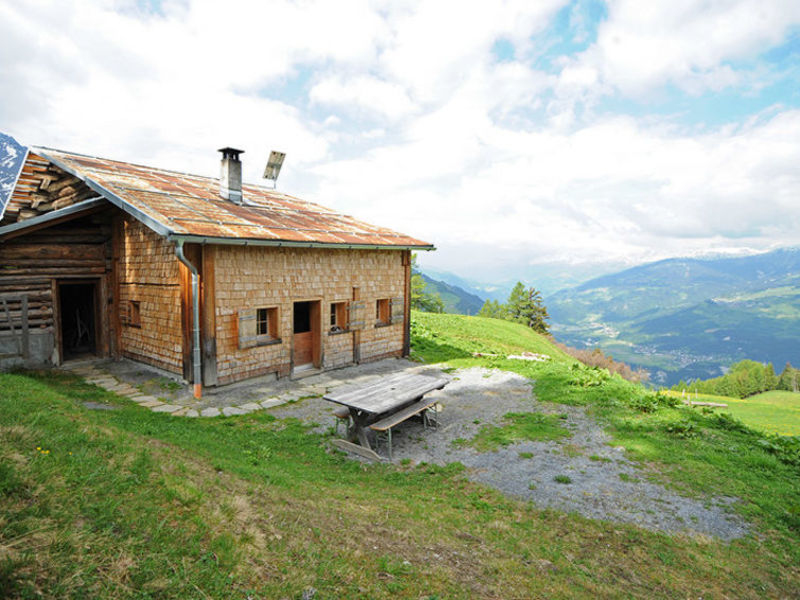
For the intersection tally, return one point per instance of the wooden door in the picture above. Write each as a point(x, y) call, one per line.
point(307, 341)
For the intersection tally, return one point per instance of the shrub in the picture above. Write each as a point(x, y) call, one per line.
point(728, 422)
point(597, 358)
point(785, 448)
point(681, 429)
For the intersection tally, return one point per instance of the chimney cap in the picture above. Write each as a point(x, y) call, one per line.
point(232, 153)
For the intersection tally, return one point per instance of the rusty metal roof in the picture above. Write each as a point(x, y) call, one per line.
point(185, 206)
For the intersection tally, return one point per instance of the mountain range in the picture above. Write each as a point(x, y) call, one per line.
point(687, 318)
point(455, 298)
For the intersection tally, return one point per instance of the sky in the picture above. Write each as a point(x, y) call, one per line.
point(524, 139)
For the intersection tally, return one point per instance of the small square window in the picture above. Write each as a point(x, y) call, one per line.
point(338, 316)
point(382, 314)
point(267, 323)
point(134, 314)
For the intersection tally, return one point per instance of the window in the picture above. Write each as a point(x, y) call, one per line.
point(267, 323)
point(134, 314)
point(338, 317)
point(382, 314)
point(258, 327)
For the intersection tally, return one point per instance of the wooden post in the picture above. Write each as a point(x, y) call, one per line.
point(193, 255)
point(55, 291)
point(316, 333)
point(115, 305)
point(357, 332)
point(208, 325)
point(407, 304)
point(25, 341)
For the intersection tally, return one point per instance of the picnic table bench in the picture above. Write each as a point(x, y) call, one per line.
point(385, 425)
point(384, 403)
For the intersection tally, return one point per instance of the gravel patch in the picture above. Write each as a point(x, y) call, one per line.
point(606, 486)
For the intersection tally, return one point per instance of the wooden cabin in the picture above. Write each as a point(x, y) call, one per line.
point(203, 277)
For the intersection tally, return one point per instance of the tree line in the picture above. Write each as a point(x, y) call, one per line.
point(524, 306)
point(746, 378)
point(421, 298)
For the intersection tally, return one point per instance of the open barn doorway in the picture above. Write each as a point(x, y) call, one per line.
point(307, 341)
point(78, 315)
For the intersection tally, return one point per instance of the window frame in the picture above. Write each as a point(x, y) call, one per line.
point(135, 314)
point(269, 334)
point(338, 317)
point(383, 313)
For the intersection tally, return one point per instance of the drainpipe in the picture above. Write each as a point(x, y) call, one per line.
point(198, 385)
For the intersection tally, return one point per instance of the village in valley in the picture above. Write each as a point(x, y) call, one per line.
point(337, 307)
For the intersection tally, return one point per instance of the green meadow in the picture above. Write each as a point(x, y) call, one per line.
point(133, 504)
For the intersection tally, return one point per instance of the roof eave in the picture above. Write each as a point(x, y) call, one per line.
point(113, 198)
point(198, 239)
point(67, 211)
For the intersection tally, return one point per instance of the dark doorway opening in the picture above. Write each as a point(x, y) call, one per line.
point(302, 317)
point(307, 343)
point(78, 323)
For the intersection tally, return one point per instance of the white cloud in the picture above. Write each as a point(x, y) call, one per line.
point(363, 93)
point(458, 148)
point(642, 46)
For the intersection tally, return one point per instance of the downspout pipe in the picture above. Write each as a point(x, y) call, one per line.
point(196, 364)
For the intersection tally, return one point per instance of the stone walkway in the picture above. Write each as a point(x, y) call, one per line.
point(163, 392)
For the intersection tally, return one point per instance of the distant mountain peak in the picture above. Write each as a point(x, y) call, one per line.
point(11, 157)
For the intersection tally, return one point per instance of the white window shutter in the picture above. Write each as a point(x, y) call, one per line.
point(247, 328)
point(355, 316)
point(397, 308)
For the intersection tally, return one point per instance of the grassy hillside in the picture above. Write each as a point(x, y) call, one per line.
point(772, 412)
point(133, 504)
point(442, 337)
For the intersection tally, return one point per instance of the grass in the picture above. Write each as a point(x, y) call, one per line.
point(134, 504)
point(695, 453)
point(775, 412)
point(518, 427)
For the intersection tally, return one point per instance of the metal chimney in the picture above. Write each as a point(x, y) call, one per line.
point(230, 180)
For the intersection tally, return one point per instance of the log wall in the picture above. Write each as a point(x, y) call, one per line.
point(260, 277)
point(34, 262)
point(147, 273)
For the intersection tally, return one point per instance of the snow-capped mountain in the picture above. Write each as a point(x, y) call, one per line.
point(11, 155)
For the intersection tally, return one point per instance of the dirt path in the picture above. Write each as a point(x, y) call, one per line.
point(606, 486)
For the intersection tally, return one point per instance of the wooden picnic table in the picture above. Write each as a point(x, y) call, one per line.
point(378, 399)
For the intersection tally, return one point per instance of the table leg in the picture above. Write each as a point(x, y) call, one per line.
point(359, 428)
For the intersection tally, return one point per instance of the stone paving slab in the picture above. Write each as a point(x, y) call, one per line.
point(238, 399)
point(143, 399)
point(272, 402)
point(151, 403)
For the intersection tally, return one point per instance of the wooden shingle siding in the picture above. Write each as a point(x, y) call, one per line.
point(247, 278)
point(148, 274)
